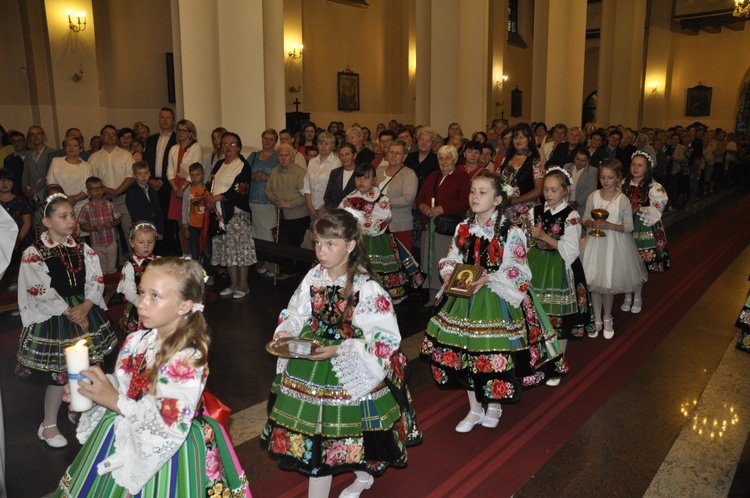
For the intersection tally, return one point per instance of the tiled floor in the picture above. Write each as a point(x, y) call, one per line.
point(637, 440)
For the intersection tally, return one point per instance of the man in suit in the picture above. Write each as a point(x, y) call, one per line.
point(142, 200)
point(585, 179)
point(156, 154)
point(35, 164)
point(341, 181)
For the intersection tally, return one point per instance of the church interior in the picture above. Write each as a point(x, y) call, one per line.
point(662, 410)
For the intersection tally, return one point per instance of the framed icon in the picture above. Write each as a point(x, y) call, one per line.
point(698, 101)
point(462, 278)
point(348, 87)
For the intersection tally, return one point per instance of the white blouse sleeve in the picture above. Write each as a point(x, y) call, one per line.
point(152, 429)
point(298, 311)
point(37, 300)
point(127, 284)
point(511, 280)
point(93, 289)
point(172, 162)
point(658, 198)
point(379, 217)
point(569, 245)
point(362, 364)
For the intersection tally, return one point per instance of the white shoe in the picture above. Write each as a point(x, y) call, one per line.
point(492, 417)
point(637, 306)
point(227, 292)
point(57, 441)
point(553, 381)
point(357, 484)
point(627, 303)
point(597, 328)
point(240, 294)
point(609, 334)
point(468, 423)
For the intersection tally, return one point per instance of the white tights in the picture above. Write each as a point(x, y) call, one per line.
point(599, 301)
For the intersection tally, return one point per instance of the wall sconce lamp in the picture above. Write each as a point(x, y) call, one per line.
point(294, 54)
point(80, 24)
point(653, 87)
point(741, 8)
point(503, 80)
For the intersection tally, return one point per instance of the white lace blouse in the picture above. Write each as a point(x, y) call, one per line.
point(361, 364)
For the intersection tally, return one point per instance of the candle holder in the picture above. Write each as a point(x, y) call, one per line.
point(598, 215)
point(77, 360)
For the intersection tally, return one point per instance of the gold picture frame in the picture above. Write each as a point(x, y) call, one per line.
point(462, 278)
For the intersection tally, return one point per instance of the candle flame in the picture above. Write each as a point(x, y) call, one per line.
point(81, 343)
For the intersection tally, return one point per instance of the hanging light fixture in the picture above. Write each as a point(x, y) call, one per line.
point(741, 8)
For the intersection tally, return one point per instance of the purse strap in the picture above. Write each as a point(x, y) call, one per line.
point(389, 181)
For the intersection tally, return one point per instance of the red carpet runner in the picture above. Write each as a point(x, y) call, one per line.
point(498, 462)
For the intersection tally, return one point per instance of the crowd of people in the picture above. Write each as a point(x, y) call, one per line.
point(522, 237)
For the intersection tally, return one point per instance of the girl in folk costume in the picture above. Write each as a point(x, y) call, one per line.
point(611, 263)
point(648, 200)
point(148, 433)
point(142, 240)
point(345, 407)
point(60, 297)
point(499, 340)
point(556, 271)
point(373, 212)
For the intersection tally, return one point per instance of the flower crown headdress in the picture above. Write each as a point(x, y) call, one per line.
point(558, 168)
point(644, 154)
point(147, 225)
point(52, 198)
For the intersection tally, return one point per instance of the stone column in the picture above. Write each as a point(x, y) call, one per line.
point(558, 58)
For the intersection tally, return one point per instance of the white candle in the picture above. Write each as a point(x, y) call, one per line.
point(531, 215)
point(432, 202)
point(77, 359)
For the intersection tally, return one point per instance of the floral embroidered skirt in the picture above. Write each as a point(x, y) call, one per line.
point(486, 345)
point(130, 321)
point(566, 300)
point(386, 265)
point(41, 348)
point(204, 465)
point(652, 245)
point(315, 428)
point(743, 323)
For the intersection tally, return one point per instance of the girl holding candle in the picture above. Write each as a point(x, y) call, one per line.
point(148, 434)
point(61, 301)
point(142, 240)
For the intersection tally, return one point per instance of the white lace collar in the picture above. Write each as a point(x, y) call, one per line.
point(47, 241)
point(486, 231)
point(557, 209)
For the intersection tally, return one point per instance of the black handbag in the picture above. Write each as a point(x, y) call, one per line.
point(446, 224)
point(214, 226)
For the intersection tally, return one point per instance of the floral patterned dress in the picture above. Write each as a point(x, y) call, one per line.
point(127, 289)
point(648, 229)
point(522, 181)
point(17, 207)
point(350, 412)
point(53, 277)
point(499, 340)
point(373, 212)
point(557, 274)
point(163, 444)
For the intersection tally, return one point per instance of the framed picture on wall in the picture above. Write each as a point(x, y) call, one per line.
point(516, 103)
point(698, 101)
point(348, 88)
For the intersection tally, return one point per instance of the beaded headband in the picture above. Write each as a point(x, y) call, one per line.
point(644, 154)
point(558, 168)
point(146, 225)
point(52, 198)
